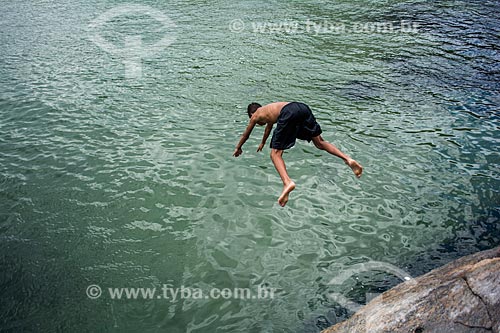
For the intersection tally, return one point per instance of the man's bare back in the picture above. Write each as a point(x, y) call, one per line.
point(268, 114)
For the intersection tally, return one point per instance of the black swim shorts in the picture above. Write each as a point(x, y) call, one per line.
point(295, 121)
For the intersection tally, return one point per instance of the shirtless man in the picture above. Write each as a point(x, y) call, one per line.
point(294, 120)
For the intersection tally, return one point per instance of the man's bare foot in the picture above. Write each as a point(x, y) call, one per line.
point(283, 199)
point(355, 166)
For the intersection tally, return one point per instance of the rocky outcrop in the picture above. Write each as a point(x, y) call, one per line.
point(461, 297)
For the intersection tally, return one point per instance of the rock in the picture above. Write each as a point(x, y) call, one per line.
point(462, 296)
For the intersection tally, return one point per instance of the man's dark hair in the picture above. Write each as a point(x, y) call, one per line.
point(252, 107)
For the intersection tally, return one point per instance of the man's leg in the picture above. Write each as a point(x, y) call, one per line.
point(288, 184)
point(325, 145)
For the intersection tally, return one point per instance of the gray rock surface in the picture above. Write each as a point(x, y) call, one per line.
point(462, 296)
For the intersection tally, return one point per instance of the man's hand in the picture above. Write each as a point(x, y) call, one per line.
point(237, 152)
point(261, 146)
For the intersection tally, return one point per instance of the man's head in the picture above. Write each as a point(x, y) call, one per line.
point(252, 107)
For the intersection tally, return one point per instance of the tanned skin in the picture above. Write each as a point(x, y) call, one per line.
point(268, 115)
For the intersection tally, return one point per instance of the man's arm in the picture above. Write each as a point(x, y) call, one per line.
point(267, 131)
point(244, 137)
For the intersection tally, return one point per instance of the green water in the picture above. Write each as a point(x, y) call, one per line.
point(127, 181)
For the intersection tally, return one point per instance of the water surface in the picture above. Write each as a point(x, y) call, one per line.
point(127, 182)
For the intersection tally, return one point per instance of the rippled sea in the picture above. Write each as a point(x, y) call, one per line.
point(122, 176)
